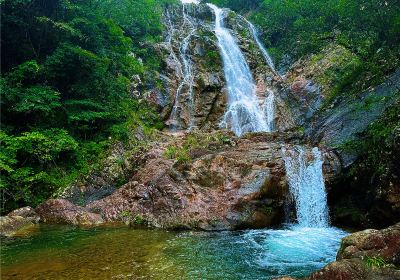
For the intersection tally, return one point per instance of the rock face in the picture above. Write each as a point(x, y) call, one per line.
point(365, 255)
point(194, 91)
point(227, 184)
point(61, 211)
point(17, 221)
point(348, 117)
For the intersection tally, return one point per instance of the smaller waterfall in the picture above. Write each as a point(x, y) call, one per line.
point(306, 185)
point(244, 113)
point(264, 52)
point(186, 69)
point(170, 36)
point(269, 110)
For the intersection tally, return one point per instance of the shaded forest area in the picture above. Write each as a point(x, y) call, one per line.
point(66, 69)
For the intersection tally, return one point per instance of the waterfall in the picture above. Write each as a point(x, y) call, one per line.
point(244, 113)
point(187, 81)
point(264, 52)
point(269, 105)
point(269, 110)
point(306, 185)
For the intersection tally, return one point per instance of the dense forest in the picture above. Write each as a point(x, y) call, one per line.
point(66, 70)
point(67, 66)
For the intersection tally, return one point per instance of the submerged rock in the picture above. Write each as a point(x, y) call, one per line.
point(10, 226)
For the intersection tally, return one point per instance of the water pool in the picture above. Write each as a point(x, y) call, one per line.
point(58, 252)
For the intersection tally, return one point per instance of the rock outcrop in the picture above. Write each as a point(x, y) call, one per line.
point(61, 211)
point(17, 221)
point(193, 92)
point(228, 183)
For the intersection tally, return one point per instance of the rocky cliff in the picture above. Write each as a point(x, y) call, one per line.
point(194, 92)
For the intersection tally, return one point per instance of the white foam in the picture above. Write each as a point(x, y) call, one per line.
point(243, 113)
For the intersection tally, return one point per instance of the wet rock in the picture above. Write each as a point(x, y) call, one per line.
point(11, 225)
point(198, 99)
point(349, 118)
point(371, 243)
point(61, 211)
point(25, 212)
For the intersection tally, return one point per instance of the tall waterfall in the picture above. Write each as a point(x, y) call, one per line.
point(306, 185)
point(244, 113)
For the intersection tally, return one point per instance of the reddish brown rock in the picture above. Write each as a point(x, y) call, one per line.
point(223, 186)
point(62, 211)
point(26, 212)
point(383, 243)
point(18, 220)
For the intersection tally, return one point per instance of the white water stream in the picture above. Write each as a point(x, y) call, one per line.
point(244, 113)
point(311, 242)
point(186, 71)
point(263, 50)
point(306, 185)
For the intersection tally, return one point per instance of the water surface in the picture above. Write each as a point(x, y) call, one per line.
point(57, 252)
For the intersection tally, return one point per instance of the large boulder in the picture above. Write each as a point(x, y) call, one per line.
point(61, 211)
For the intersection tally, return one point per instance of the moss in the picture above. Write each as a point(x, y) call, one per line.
point(195, 141)
point(375, 262)
point(267, 210)
point(138, 220)
point(212, 60)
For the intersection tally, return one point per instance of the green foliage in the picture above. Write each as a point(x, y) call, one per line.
point(139, 220)
point(293, 29)
point(212, 60)
point(66, 70)
point(375, 262)
point(28, 164)
point(182, 152)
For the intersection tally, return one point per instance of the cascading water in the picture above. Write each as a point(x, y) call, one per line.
point(269, 103)
point(187, 69)
point(244, 113)
point(263, 50)
point(310, 243)
point(170, 35)
point(269, 110)
point(306, 185)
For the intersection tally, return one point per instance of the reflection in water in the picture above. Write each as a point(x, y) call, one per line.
point(71, 253)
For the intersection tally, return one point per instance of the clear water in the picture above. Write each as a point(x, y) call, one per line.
point(57, 252)
point(244, 113)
